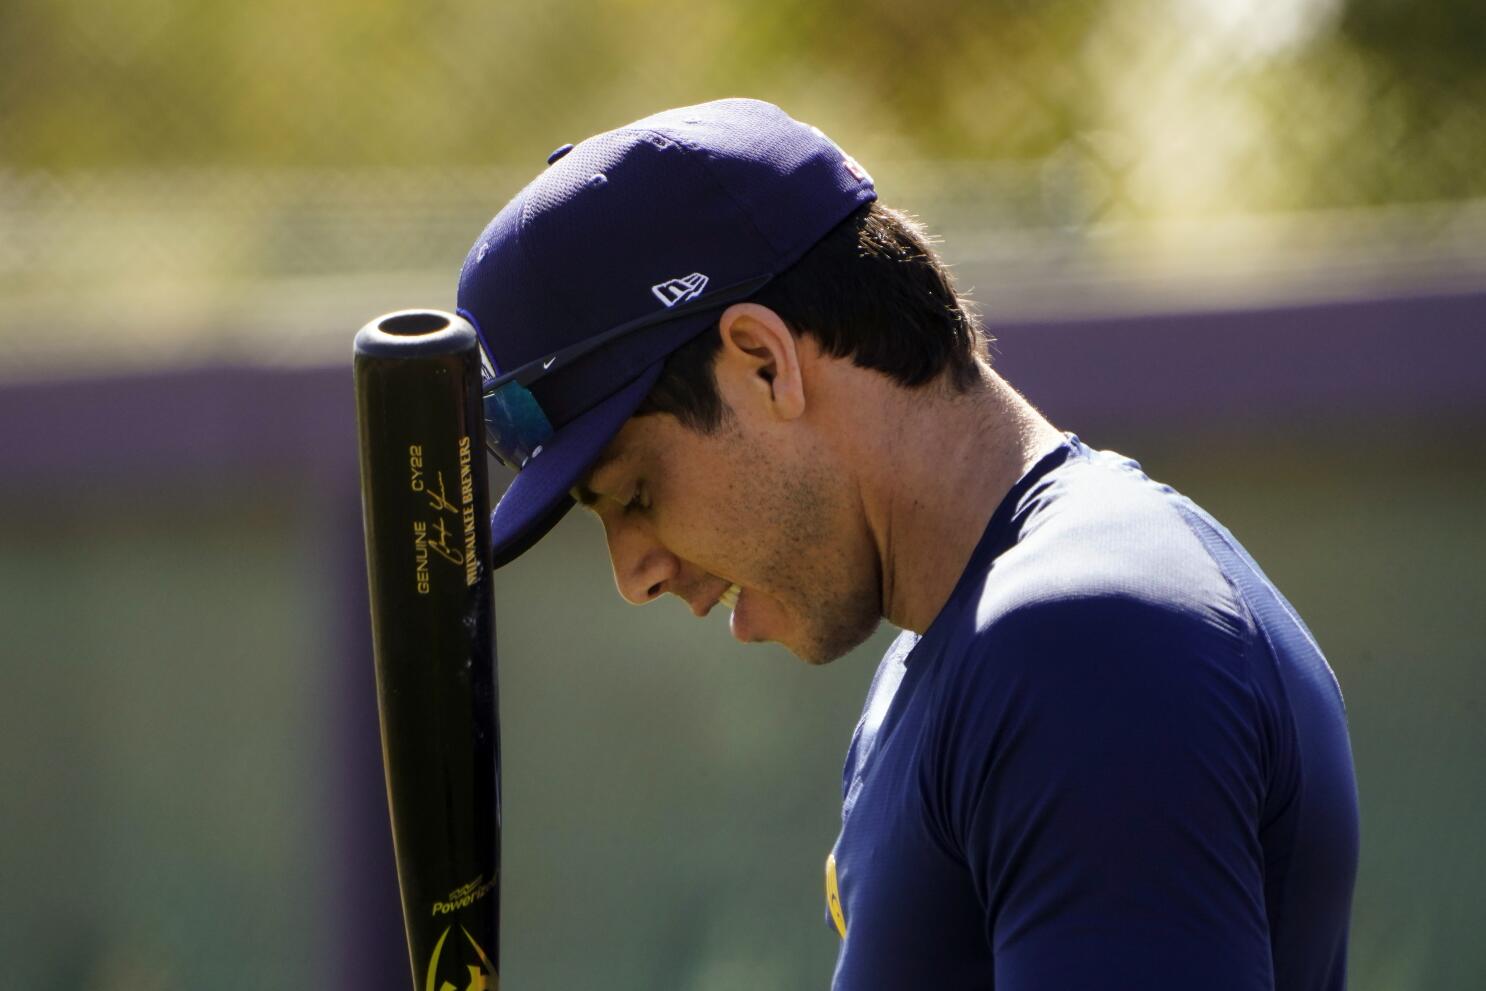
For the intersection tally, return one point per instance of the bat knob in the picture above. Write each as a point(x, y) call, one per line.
point(412, 333)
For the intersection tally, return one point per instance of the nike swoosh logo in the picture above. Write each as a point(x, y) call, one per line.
point(548, 363)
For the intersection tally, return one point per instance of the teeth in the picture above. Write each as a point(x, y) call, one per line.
point(729, 597)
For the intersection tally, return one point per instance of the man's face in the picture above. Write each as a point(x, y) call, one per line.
point(756, 504)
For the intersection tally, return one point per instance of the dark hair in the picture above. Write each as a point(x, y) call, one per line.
point(871, 290)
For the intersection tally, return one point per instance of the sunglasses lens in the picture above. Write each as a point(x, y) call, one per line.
point(515, 426)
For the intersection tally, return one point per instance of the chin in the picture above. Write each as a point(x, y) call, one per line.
point(838, 641)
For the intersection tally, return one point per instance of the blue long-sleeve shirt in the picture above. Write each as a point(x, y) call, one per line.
point(1116, 759)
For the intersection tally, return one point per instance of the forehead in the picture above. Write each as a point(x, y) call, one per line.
point(624, 451)
point(631, 445)
point(654, 446)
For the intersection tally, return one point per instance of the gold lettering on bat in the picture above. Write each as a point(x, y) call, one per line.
point(467, 498)
point(439, 501)
point(415, 466)
point(466, 475)
point(464, 896)
point(439, 535)
point(420, 557)
point(441, 546)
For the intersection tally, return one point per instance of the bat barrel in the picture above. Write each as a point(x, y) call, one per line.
point(426, 503)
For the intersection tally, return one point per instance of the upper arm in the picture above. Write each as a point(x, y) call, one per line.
point(1103, 781)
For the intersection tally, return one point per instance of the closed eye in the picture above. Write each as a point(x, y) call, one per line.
point(639, 499)
point(584, 496)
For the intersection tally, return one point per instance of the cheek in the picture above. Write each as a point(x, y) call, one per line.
point(708, 528)
point(753, 508)
point(716, 519)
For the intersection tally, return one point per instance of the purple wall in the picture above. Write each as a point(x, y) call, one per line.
point(1391, 358)
point(1422, 357)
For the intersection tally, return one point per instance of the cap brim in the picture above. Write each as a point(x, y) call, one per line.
point(538, 497)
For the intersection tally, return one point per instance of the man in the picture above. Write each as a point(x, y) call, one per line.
point(1104, 753)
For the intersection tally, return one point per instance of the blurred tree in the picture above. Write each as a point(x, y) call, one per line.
point(1383, 102)
point(1427, 68)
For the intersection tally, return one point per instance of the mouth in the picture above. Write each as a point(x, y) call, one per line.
point(727, 597)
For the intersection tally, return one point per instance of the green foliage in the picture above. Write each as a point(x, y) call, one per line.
point(1112, 109)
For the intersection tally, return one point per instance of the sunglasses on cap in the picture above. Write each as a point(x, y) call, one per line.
point(516, 426)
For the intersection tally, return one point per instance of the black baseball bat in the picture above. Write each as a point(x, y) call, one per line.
point(426, 505)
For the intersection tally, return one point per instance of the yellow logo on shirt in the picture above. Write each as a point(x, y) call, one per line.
point(833, 895)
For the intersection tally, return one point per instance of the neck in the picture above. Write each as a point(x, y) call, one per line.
point(950, 459)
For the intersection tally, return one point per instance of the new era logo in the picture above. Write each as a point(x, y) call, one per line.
point(673, 291)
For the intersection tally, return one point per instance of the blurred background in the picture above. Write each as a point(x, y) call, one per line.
point(1243, 242)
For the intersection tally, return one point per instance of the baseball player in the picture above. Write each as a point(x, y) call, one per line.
point(1104, 752)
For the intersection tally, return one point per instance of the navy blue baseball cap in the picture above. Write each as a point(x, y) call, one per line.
point(628, 245)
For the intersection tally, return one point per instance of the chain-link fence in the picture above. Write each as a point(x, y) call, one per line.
point(157, 156)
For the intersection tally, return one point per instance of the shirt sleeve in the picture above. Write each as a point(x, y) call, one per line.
point(1103, 780)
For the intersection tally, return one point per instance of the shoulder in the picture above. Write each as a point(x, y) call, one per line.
point(1094, 700)
point(1107, 607)
point(1100, 542)
point(1064, 656)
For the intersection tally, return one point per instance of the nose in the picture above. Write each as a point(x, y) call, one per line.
point(642, 567)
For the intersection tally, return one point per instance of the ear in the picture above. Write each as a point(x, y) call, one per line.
point(760, 357)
